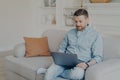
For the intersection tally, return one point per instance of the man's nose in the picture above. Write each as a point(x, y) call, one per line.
point(78, 24)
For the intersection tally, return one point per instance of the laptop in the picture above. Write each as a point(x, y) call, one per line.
point(65, 60)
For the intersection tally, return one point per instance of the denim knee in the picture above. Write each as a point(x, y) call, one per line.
point(53, 71)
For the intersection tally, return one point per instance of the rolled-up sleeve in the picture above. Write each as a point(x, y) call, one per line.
point(97, 49)
point(63, 45)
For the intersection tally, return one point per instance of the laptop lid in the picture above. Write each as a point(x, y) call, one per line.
point(65, 60)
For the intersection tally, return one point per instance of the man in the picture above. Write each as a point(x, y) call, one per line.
point(83, 41)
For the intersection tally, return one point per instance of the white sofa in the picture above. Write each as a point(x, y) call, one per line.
point(20, 68)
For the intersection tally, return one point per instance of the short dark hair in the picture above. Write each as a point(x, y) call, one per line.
point(80, 12)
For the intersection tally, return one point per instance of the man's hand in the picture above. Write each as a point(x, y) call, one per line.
point(82, 65)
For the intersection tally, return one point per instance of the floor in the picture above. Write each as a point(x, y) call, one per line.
point(2, 63)
point(2, 69)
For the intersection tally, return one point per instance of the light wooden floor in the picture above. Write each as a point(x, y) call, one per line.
point(2, 63)
point(2, 69)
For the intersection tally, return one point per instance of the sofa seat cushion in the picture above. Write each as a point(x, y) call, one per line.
point(27, 67)
point(40, 76)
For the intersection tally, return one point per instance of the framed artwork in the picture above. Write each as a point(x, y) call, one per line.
point(68, 16)
point(50, 3)
point(48, 19)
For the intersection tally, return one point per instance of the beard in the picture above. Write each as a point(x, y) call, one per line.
point(80, 28)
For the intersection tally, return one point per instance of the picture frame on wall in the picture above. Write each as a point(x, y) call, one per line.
point(69, 16)
point(48, 19)
point(50, 3)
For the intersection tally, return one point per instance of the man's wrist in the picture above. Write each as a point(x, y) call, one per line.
point(87, 65)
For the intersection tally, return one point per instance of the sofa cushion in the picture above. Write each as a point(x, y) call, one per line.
point(19, 50)
point(27, 67)
point(36, 47)
point(54, 38)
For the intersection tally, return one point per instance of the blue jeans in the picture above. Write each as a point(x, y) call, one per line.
point(56, 72)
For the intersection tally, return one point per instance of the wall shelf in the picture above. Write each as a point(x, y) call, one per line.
point(48, 8)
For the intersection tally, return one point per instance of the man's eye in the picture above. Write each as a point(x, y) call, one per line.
point(80, 21)
point(75, 21)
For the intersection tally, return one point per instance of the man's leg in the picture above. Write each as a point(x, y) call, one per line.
point(53, 72)
point(75, 74)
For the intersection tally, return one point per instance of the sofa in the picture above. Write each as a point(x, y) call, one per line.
point(19, 67)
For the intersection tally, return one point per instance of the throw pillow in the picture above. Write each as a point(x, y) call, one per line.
point(36, 47)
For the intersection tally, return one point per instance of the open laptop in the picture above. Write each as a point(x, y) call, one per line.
point(65, 60)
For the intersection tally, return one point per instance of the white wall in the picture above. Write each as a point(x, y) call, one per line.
point(17, 19)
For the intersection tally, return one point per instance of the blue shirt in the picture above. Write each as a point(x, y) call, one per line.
point(87, 44)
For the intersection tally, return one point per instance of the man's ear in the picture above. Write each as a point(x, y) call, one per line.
point(87, 20)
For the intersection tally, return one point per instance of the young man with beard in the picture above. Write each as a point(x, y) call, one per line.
point(83, 41)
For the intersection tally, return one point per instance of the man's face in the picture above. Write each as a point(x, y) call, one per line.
point(81, 22)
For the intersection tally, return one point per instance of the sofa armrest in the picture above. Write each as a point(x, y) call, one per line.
point(106, 70)
point(19, 50)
